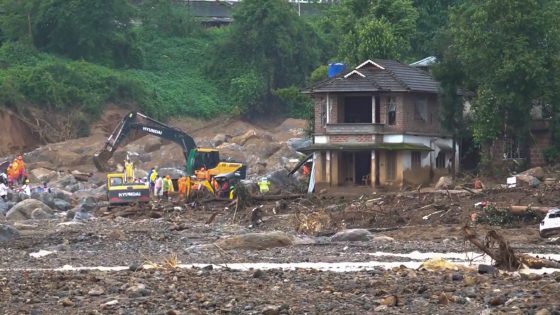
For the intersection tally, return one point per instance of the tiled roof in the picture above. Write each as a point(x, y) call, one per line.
point(379, 75)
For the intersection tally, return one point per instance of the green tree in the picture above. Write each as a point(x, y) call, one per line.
point(364, 29)
point(169, 19)
point(509, 52)
point(450, 73)
point(268, 37)
point(79, 29)
point(433, 19)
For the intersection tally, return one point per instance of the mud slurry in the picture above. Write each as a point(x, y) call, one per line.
point(225, 291)
point(142, 240)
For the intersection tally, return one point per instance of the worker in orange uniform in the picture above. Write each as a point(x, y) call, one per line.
point(22, 167)
point(15, 171)
point(182, 183)
point(11, 178)
point(306, 169)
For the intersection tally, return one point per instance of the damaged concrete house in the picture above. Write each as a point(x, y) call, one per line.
point(378, 125)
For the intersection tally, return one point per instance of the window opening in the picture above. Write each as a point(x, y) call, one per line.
point(392, 111)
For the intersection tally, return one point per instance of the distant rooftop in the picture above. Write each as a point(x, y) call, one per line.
point(426, 62)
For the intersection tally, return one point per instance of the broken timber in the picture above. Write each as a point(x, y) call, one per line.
point(504, 255)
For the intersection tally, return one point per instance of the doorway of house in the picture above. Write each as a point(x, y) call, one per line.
point(391, 165)
point(363, 167)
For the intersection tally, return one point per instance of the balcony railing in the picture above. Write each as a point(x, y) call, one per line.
point(348, 128)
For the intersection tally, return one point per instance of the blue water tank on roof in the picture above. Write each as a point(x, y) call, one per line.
point(336, 69)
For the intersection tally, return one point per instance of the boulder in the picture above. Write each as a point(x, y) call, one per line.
point(445, 182)
point(298, 143)
point(40, 214)
point(152, 145)
point(352, 235)
point(280, 179)
point(24, 209)
point(81, 216)
point(65, 181)
point(81, 176)
point(219, 139)
point(61, 204)
point(62, 158)
point(528, 180)
point(63, 194)
point(48, 199)
point(8, 233)
point(139, 173)
point(88, 205)
point(242, 139)
point(256, 241)
point(537, 172)
point(13, 196)
point(42, 175)
point(4, 207)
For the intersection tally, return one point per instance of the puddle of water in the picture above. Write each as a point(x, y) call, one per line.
point(416, 259)
point(416, 255)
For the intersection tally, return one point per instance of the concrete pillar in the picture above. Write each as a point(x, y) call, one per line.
point(319, 167)
point(328, 168)
point(373, 169)
point(335, 168)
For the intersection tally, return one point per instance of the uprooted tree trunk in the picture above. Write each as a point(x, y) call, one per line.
point(499, 250)
point(503, 255)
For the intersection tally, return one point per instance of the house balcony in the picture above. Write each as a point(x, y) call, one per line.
point(354, 128)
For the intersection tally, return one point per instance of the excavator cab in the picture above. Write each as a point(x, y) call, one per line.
point(202, 158)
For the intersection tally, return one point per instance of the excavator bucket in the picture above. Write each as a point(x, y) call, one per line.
point(100, 160)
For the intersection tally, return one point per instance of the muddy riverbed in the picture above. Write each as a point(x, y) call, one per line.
point(168, 266)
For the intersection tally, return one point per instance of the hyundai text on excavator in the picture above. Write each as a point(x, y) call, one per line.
point(202, 162)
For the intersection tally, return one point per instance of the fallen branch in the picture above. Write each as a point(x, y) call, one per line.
point(471, 191)
point(523, 209)
point(504, 255)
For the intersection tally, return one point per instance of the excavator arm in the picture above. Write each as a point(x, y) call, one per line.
point(134, 126)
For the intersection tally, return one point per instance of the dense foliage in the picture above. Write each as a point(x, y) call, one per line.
point(507, 54)
point(155, 55)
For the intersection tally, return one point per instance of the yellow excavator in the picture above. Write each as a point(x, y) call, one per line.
point(202, 164)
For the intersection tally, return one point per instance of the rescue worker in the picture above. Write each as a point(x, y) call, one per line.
point(3, 191)
point(23, 168)
point(15, 171)
point(26, 188)
point(232, 193)
point(158, 187)
point(167, 187)
point(152, 177)
point(224, 190)
point(182, 183)
point(216, 186)
point(129, 171)
point(4, 178)
point(11, 178)
point(264, 185)
point(306, 169)
point(201, 174)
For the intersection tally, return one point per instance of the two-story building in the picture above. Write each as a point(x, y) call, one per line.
point(378, 125)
